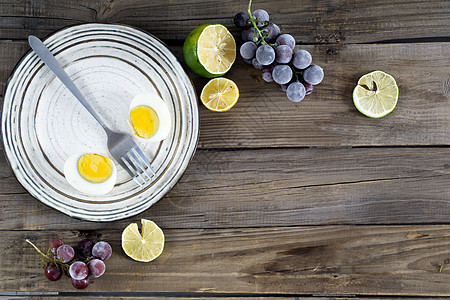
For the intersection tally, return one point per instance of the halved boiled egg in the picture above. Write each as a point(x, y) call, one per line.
point(150, 117)
point(91, 173)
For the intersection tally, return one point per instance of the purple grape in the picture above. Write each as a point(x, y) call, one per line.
point(262, 16)
point(265, 55)
point(286, 39)
point(65, 253)
point(53, 273)
point(78, 270)
point(267, 74)
point(248, 35)
point(282, 74)
point(55, 243)
point(283, 54)
point(66, 272)
point(256, 64)
point(283, 87)
point(313, 75)
point(80, 284)
point(102, 250)
point(96, 267)
point(302, 59)
point(271, 32)
point(85, 247)
point(296, 92)
point(248, 50)
point(241, 19)
point(308, 87)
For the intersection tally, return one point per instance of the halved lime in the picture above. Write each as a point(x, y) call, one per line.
point(376, 94)
point(210, 50)
point(145, 246)
point(220, 94)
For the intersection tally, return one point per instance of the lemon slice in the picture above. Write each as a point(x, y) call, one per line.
point(210, 50)
point(376, 94)
point(220, 94)
point(143, 247)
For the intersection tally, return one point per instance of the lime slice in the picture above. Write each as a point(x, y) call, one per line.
point(210, 50)
point(376, 94)
point(143, 247)
point(220, 94)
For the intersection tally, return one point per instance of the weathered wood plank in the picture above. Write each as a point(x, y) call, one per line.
point(150, 295)
point(10, 53)
point(362, 260)
point(264, 117)
point(286, 187)
point(202, 296)
point(309, 21)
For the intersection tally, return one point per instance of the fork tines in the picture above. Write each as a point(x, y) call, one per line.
point(138, 165)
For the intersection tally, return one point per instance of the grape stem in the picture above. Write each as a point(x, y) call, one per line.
point(294, 71)
point(37, 249)
point(52, 260)
point(255, 28)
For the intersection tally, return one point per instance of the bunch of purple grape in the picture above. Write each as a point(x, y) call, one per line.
point(86, 261)
point(274, 54)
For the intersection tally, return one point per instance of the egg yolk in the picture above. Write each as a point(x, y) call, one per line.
point(144, 121)
point(95, 168)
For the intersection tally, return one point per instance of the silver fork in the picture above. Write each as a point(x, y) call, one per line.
point(121, 146)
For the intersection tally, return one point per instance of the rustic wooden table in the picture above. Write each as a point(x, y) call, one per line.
point(281, 199)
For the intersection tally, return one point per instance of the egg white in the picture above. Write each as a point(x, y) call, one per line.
point(74, 178)
point(165, 121)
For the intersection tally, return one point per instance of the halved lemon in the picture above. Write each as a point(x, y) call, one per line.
point(376, 94)
point(210, 50)
point(143, 247)
point(220, 94)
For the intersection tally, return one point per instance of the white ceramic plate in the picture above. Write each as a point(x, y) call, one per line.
point(42, 124)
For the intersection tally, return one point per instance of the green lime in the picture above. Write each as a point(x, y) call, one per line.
point(210, 50)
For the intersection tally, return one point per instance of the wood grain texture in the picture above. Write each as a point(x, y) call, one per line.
point(264, 117)
point(287, 187)
point(369, 260)
point(310, 21)
point(192, 296)
point(149, 295)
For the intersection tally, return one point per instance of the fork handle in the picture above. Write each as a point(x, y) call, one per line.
point(47, 57)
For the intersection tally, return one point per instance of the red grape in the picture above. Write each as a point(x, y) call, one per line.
point(55, 243)
point(96, 267)
point(296, 91)
point(313, 74)
point(65, 253)
point(85, 247)
point(53, 273)
point(80, 284)
point(261, 15)
point(286, 39)
point(301, 59)
point(283, 87)
point(102, 250)
point(309, 87)
point(248, 50)
point(267, 74)
point(248, 35)
point(271, 31)
point(78, 270)
point(241, 19)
